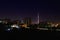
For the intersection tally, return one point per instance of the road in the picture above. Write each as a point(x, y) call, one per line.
point(42, 28)
point(47, 29)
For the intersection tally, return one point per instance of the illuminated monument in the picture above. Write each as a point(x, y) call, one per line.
point(38, 18)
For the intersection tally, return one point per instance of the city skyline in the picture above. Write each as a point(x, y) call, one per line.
point(48, 10)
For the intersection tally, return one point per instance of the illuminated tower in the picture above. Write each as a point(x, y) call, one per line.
point(37, 10)
point(38, 18)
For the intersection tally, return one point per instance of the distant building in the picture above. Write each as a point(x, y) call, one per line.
point(5, 21)
point(23, 25)
point(27, 21)
point(21, 21)
point(16, 22)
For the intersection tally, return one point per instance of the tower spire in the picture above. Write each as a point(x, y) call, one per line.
point(38, 18)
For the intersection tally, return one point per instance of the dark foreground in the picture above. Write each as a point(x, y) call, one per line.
point(30, 34)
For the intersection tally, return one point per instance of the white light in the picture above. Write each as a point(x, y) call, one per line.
point(16, 26)
point(0, 21)
point(8, 29)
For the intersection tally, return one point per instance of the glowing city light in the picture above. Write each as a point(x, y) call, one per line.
point(8, 29)
point(56, 25)
point(14, 26)
point(0, 21)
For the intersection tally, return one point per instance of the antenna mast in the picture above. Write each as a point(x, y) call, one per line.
point(38, 16)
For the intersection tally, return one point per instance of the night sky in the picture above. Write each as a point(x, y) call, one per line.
point(48, 10)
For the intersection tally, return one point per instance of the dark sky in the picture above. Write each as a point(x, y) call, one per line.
point(48, 10)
